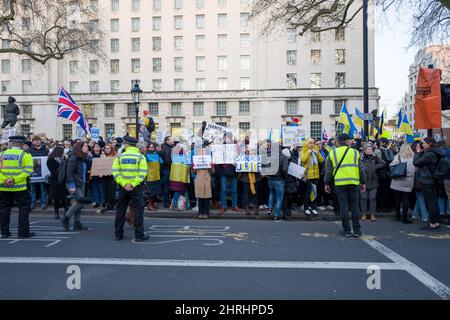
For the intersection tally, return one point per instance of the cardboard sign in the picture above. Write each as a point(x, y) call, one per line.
point(40, 170)
point(102, 167)
point(248, 163)
point(296, 170)
point(292, 135)
point(202, 162)
point(214, 133)
point(9, 132)
point(223, 153)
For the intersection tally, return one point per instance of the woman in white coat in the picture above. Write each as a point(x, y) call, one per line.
point(403, 186)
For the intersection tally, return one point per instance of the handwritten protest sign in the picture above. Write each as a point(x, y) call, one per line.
point(40, 170)
point(160, 135)
point(202, 162)
point(223, 153)
point(8, 133)
point(214, 133)
point(102, 167)
point(292, 135)
point(296, 170)
point(248, 163)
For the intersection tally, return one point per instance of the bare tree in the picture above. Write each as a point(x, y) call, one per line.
point(49, 29)
point(431, 19)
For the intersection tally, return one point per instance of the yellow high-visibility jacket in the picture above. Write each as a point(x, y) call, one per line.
point(15, 164)
point(130, 167)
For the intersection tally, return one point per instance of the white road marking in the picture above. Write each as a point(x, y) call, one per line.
point(201, 263)
point(53, 243)
point(219, 242)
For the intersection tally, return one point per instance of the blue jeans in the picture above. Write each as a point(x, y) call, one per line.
point(223, 191)
point(43, 188)
point(443, 205)
point(97, 191)
point(276, 189)
point(165, 186)
point(420, 209)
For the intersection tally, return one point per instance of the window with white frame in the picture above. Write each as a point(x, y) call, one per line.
point(244, 126)
point(67, 130)
point(316, 106)
point(245, 83)
point(200, 84)
point(26, 86)
point(316, 80)
point(222, 83)
point(315, 57)
point(178, 84)
point(178, 22)
point(27, 110)
point(245, 62)
point(291, 79)
point(174, 127)
point(291, 107)
point(153, 108)
point(93, 86)
point(94, 45)
point(222, 20)
point(114, 25)
point(115, 5)
point(73, 66)
point(221, 108)
point(135, 5)
point(156, 43)
point(221, 3)
point(244, 107)
point(199, 4)
point(291, 35)
point(6, 44)
point(6, 86)
point(338, 105)
point(178, 64)
point(315, 36)
point(200, 64)
point(198, 110)
point(156, 5)
point(244, 19)
point(178, 4)
point(340, 56)
point(26, 24)
point(131, 110)
point(6, 66)
point(26, 65)
point(199, 21)
point(93, 25)
point(25, 129)
point(93, 66)
point(222, 41)
point(109, 130)
point(245, 40)
point(135, 24)
point(291, 57)
point(200, 41)
point(156, 23)
point(157, 84)
point(178, 42)
point(135, 65)
point(339, 34)
point(114, 85)
point(135, 44)
point(73, 85)
point(175, 109)
point(157, 64)
point(316, 129)
point(114, 45)
point(115, 66)
point(88, 110)
point(340, 79)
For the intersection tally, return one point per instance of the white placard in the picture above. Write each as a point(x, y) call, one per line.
point(160, 135)
point(248, 163)
point(296, 170)
point(223, 153)
point(202, 162)
point(40, 169)
point(9, 132)
point(292, 135)
point(214, 133)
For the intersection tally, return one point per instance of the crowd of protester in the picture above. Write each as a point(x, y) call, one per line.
point(172, 181)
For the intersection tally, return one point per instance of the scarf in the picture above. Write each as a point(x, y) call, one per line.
point(314, 161)
point(252, 179)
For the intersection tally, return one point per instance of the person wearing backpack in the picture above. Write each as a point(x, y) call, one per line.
point(58, 192)
point(426, 160)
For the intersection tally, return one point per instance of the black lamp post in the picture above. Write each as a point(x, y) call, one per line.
point(136, 94)
point(366, 65)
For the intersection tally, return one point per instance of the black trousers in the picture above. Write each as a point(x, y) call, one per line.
point(109, 188)
point(348, 198)
point(431, 201)
point(23, 200)
point(135, 199)
point(402, 200)
point(203, 206)
point(11, 123)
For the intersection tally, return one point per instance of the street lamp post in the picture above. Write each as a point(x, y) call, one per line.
point(136, 94)
point(366, 65)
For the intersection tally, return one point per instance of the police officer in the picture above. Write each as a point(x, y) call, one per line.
point(16, 166)
point(130, 170)
point(344, 168)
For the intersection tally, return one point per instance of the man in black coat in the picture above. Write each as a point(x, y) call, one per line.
point(11, 113)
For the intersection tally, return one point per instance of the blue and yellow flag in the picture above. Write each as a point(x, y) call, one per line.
point(405, 127)
point(381, 124)
point(398, 121)
point(346, 120)
point(359, 121)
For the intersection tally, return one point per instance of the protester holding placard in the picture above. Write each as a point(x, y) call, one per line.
point(154, 163)
point(249, 184)
point(58, 191)
point(108, 183)
point(39, 150)
point(179, 176)
point(203, 190)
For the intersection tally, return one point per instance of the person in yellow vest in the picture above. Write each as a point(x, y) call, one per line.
point(16, 166)
point(344, 168)
point(130, 171)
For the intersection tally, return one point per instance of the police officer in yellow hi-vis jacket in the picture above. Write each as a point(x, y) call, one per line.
point(344, 169)
point(130, 170)
point(16, 166)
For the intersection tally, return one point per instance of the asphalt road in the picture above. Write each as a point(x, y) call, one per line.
point(226, 259)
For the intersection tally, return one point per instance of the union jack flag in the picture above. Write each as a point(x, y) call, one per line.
point(68, 109)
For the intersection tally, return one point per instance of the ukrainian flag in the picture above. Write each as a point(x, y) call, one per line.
point(399, 119)
point(346, 120)
point(359, 121)
point(381, 124)
point(405, 127)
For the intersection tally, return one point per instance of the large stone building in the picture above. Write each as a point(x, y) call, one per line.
point(196, 60)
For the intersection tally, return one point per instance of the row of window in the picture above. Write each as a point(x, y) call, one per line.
point(157, 4)
point(25, 66)
point(292, 107)
point(178, 22)
point(315, 80)
point(316, 55)
point(25, 111)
